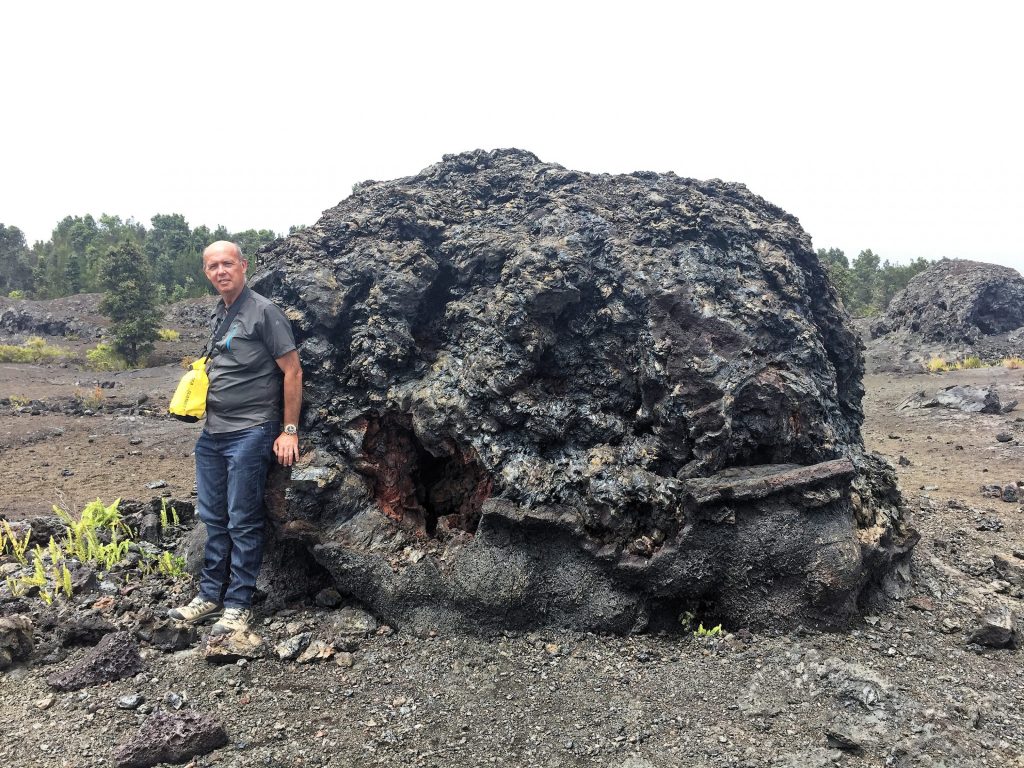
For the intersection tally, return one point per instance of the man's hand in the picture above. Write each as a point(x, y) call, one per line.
point(286, 448)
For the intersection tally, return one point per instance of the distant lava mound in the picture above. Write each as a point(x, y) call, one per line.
point(957, 301)
point(954, 309)
point(542, 397)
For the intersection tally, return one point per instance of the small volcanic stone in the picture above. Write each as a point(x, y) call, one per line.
point(131, 701)
point(171, 738)
point(115, 658)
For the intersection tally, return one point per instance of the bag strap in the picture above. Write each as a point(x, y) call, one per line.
point(226, 322)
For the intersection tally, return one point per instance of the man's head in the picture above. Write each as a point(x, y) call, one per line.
point(225, 268)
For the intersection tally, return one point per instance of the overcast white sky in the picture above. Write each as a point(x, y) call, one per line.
point(895, 126)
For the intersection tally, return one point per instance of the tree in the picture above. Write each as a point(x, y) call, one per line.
point(893, 278)
point(16, 261)
point(864, 279)
point(129, 300)
point(838, 268)
point(250, 241)
point(170, 249)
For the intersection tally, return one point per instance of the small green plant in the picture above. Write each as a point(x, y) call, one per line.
point(103, 357)
point(16, 294)
point(936, 365)
point(168, 516)
point(171, 565)
point(83, 538)
point(56, 553)
point(65, 580)
point(10, 538)
point(18, 401)
point(715, 631)
point(972, 361)
point(168, 334)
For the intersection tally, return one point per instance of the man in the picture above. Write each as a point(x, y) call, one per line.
point(254, 368)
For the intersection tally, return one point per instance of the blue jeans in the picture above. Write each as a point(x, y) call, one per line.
point(231, 472)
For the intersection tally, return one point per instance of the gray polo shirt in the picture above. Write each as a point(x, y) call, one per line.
point(245, 380)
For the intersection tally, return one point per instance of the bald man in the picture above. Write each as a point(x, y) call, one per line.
point(254, 374)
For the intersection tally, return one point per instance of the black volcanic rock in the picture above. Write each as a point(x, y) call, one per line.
point(171, 737)
point(956, 301)
point(115, 658)
point(542, 397)
point(70, 315)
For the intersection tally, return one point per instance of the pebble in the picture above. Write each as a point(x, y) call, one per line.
point(131, 701)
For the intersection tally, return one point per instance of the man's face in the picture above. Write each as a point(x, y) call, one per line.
point(225, 270)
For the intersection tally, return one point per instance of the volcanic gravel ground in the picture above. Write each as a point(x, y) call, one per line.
point(903, 687)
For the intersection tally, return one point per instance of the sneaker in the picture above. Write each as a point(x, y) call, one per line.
point(196, 612)
point(233, 620)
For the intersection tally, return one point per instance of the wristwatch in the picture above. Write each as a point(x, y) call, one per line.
point(290, 429)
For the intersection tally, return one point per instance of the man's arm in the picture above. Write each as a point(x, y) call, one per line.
point(286, 447)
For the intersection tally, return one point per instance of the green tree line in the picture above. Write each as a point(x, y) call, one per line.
point(73, 259)
point(867, 284)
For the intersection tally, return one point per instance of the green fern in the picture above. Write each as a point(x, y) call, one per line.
point(18, 546)
point(65, 580)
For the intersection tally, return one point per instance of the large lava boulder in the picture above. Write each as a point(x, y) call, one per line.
point(956, 301)
point(537, 396)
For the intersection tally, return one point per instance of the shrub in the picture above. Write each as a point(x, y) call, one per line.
point(937, 365)
point(34, 350)
point(92, 400)
point(16, 294)
point(105, 358)
point(1013, 362)
point(167, 334)
point(972, 362)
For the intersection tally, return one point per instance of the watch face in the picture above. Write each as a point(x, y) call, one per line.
point(290, 429)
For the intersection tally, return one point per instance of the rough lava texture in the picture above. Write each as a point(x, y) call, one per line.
point(114, 658)
point(957, 301)
point(536, 396)
point(168, 737)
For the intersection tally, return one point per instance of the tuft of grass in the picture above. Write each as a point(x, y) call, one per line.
point(168, 334)
point(971, 362)
point(1013, 362)
point(105, 358)
point(937, 365)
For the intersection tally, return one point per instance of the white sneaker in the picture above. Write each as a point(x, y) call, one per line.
point(196, 612)
point(233, 620)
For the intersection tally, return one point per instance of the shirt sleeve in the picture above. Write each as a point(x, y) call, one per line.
point(277, 332)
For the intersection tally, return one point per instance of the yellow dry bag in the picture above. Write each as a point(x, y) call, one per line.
point(189, 401)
